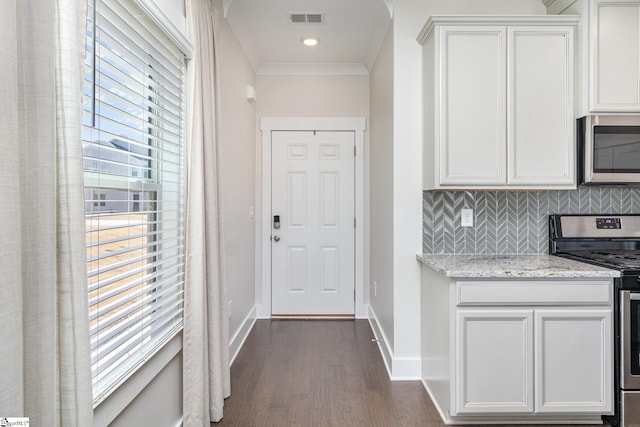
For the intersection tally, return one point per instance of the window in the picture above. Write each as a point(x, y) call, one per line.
point(133, 137)
point(101, 197)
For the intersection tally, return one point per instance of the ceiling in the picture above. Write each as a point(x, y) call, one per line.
point(351, 34)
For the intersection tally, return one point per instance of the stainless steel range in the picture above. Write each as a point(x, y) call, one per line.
point(611, 241)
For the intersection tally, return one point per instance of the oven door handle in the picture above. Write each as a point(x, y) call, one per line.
point(634, 296)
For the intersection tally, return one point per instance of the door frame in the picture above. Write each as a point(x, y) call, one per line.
point(263, 200)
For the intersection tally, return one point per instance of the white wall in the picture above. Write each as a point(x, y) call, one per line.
point(409, 18)
point(381, 190)
point(237, 143)
point(175, 11)
point(313, 96)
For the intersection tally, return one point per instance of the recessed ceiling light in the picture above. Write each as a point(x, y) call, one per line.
point(310, 41)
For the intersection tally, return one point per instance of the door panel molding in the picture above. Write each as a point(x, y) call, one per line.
point(263, 201)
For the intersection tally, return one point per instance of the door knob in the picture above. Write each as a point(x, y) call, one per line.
point(276, 238)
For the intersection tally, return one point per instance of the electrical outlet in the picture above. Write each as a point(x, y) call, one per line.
point(375, 288)
point(252, 212)
point(466, 217)
point(229, 309)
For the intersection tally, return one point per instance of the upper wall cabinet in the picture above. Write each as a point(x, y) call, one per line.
point(609, 51)
point(498, 102)
point(615, 82)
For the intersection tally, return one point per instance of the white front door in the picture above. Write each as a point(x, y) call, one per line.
point(313, 247)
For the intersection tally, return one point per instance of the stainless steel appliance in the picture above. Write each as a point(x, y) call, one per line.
point(611, 241)
point(608, 150)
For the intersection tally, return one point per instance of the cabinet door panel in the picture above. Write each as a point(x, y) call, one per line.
point(616, 57)
point(494, 361)
point(573, 361)
point(472, 119)
point(540, 113)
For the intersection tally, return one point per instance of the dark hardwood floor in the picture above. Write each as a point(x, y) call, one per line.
point(320, 373)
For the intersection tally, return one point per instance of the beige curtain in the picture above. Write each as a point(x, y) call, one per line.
point(206, 326)
point(44, 333)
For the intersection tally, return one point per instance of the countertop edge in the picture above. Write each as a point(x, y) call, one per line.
point(512, 266)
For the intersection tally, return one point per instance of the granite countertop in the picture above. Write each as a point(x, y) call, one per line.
point(534, 266)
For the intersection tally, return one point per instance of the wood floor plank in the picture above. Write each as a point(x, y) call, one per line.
point(320, 373)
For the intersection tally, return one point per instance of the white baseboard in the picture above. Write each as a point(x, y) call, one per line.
point(383, 345)
point(406, 369)
point(241, 334)
point(361, 311)
point(399, 369)
point(263, 311)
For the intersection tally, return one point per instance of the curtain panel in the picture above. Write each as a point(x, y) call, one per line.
point(206, 373)
point(44, 334)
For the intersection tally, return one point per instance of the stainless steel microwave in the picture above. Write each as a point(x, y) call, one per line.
point(608, 150)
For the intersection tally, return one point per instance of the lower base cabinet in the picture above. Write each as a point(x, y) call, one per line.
point(573, 361)
point(533, 361)
point(518, 351)
point(494, 361)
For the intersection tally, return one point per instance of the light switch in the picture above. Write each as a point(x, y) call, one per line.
point(466, 217)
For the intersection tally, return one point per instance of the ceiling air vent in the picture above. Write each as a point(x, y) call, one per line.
point(306, 18)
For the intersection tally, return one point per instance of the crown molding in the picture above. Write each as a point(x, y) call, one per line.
point(475, 20)
point(310, 69)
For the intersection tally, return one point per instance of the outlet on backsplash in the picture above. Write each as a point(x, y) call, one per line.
point(466, 217)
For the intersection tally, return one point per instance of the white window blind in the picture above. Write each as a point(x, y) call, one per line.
point(133, 137)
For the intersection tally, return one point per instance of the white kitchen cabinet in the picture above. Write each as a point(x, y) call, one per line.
point(615, 53)
point(498, 102)
point(494, 361)
point(517, 350)
point(609, 52)
point(533, 360)
point(573, 360)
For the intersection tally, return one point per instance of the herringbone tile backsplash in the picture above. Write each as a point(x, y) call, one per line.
point(510, 222)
